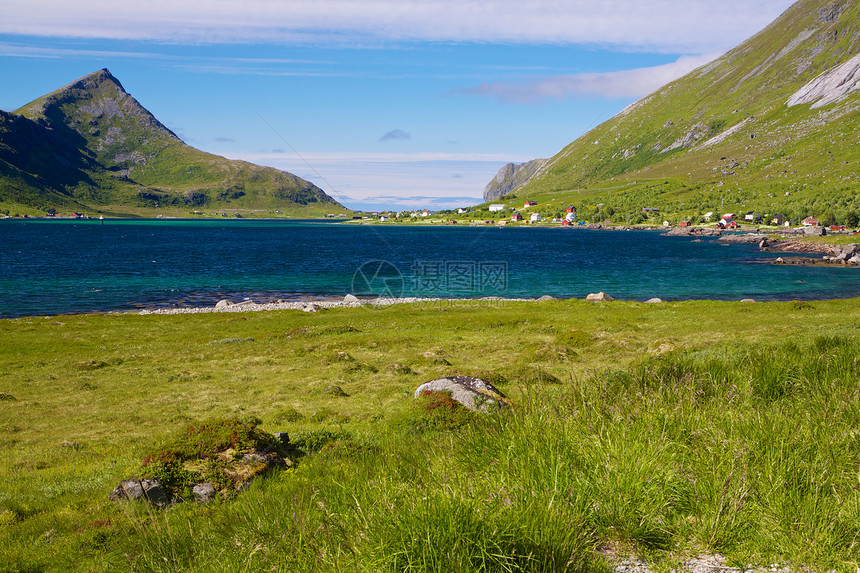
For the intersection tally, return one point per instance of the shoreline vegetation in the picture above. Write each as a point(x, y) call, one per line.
point(643, 437)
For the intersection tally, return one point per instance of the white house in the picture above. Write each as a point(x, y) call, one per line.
point(535, 217)
point(708, 216)
point(496, 207)
point(570, 217)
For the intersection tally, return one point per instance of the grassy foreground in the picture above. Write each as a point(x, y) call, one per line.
point(664, 430)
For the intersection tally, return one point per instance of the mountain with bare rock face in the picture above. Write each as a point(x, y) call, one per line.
point(510, 177)
point(91, 146)
point(772, 128)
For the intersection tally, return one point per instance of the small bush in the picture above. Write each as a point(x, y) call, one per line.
point(343, 449)
point(199, 453)
point(491, 377)
point(336, 391)
point(286, 415)
point(322, 415)
point(535, 376)
point(314, 440)
point(439, 411)
point(398, 368)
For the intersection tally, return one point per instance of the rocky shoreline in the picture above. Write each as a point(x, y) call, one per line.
point(349, 301)
point(830, 255)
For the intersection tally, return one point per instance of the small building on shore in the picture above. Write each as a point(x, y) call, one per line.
point(516, 217)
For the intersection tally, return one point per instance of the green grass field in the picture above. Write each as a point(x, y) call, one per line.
point(666, 431)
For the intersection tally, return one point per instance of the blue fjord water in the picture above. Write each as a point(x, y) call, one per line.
point(56, 267)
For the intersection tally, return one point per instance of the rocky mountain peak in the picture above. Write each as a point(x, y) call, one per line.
point(97, 106)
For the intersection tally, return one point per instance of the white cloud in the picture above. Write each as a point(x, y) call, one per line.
point(634, 83)
point(680, 26)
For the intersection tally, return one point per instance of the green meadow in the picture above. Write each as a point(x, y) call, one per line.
point(665, 431)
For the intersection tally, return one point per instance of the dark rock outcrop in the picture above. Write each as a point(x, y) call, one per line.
point(143, 489)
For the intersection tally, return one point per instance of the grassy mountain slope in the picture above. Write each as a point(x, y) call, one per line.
point(722, 137)
point(92, 145)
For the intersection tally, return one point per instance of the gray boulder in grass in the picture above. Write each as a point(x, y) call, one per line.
point(473, 393)
point(145, 489)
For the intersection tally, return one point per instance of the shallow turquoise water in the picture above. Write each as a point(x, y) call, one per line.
point(55, 267)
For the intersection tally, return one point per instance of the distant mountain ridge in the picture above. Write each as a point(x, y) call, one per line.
point(771, 126)
point(91, 145)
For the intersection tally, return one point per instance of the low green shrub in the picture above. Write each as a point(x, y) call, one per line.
point(438, 411)
point(315, 440)
point(203, 452)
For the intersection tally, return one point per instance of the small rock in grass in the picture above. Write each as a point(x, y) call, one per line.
point(223, 303)
point(653, 300)
point(599, 297)
point(336, 391)
point(747, 300)
point(545, 298)
point(351, 299)
point(399, 368)
point(471, 392)
point(203, 492)
point(146, 489)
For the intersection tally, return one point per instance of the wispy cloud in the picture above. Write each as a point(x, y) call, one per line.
point(224, 139)
point(396, 135)
point(680, 26)
point(633, 83)
point(19, 50)
point(210, 65)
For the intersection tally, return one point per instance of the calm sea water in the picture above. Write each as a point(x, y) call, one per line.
point(56, 267)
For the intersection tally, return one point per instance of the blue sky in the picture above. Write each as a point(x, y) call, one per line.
point(396, 104)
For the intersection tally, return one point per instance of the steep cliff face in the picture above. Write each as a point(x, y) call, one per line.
point(90, 144)
point(510, 177)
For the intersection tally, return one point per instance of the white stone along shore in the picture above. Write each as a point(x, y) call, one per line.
point(349, 301)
